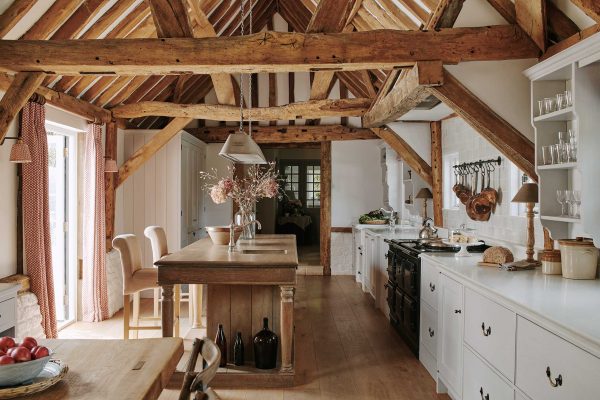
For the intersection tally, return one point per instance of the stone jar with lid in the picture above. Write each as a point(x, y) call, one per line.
point(579, 258)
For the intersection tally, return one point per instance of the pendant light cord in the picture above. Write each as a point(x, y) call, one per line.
point(243, 17)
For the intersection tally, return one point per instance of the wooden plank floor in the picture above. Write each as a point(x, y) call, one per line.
point(345, 349)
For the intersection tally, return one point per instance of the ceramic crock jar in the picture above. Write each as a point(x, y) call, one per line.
point(579, 258)
point(551, 262)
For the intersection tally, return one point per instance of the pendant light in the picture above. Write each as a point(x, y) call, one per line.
point(240, 147)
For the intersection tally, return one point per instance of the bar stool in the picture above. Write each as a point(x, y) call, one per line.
point(158, 240)
point(197, 382)
point(135, 279)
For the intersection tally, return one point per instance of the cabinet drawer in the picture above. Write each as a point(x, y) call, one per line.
point(573, 373)
point(429, 284)
point(428, 332)
point(8, 314)
point(480, 382)
point(429, 362)
point(491, 330)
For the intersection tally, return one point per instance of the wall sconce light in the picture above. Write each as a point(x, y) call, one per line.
point(19, 153)
point(110, 165)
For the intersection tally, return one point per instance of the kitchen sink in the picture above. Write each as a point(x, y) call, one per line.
point(264, 251)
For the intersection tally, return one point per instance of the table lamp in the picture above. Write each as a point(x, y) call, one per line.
point(528, 194)
point(424, 194)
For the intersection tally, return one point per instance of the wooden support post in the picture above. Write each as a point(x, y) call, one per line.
point(17, 94)
point(436, 172)
point(325, 230)
point(287, 328)
point(110, 152)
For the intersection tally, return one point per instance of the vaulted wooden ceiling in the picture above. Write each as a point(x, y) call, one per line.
point(110, 19)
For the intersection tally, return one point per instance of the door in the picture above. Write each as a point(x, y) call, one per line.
point(63, 219)
point(193, 160)
point(450, 326)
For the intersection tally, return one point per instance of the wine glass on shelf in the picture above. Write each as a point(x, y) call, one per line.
point(570, 200)
point(577, 200)
point(561, 197)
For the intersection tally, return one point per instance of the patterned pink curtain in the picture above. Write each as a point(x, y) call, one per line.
point(36, 214)
point(95, 292)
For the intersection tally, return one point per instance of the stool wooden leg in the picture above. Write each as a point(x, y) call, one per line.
point(126, 311)
point(177, 311)
point(196, 304)
point(136, 313)
point(156, 302)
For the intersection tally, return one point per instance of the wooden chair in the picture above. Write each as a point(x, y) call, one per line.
point(135, 279)
point(197, 382)
point(158, 240)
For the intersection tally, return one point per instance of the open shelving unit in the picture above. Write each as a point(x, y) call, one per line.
point(577, 70)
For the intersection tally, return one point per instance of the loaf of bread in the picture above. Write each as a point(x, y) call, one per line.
point(498, 255)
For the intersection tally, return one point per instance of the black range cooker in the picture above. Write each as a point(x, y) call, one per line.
point(404, 283)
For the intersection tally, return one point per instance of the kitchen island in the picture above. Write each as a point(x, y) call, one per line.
point(254, 281)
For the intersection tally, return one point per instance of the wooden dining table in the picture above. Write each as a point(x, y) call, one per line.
point(112, 369)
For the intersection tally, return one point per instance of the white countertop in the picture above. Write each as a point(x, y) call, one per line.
point(571, 305)
point(399, 231)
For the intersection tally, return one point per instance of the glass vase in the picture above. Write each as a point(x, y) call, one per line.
point(244, 218)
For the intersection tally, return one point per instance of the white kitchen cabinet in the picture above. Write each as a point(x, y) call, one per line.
point(450, 341)
point(490, 329)
point(429, 283)
point(481, 382)
point(357, 263)
point(369, 259)
point(550, 368)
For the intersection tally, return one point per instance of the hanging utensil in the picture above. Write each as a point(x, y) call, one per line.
point(480, 204)
point(489, 192)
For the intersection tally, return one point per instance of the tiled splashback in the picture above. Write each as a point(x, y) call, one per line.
point(459, 139)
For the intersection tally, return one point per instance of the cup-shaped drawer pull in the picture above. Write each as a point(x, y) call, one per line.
point(431, 287)
point(557, 381)
point(487, 395)
point(431, 332)
point(486, 331)
point(458, 311)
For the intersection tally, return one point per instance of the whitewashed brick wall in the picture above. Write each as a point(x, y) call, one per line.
point(341, 253)
point(29, 322)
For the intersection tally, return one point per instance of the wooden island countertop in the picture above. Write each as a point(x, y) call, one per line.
point(255, 281)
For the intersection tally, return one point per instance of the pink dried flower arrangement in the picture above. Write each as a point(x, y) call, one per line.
point(259, 182)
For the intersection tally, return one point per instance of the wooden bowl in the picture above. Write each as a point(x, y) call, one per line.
point(220, 234)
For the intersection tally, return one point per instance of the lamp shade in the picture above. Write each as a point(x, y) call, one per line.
point(424, 193)
point(110, 165)
point(240, 148)
point(19, 153)
point(527, 194)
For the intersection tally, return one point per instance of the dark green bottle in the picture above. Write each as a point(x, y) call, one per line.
point(221, 343)
point(238, 350)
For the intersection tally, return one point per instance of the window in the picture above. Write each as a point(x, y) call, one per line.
point(303, 181)
point(313, 186)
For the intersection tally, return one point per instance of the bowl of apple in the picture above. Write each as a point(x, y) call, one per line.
point(21, 362)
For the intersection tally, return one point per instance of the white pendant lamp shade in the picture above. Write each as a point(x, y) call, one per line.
point(110, 165)
point(241, 149)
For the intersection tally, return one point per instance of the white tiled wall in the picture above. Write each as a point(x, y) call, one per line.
point(458, 137)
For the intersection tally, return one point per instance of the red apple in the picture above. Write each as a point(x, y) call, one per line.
point(21, 354)
point(6, 360)
point(7, 342)
point(10, 351)
point(39, 352)
point(28, 344)
point(2, 353)
point(30, 339)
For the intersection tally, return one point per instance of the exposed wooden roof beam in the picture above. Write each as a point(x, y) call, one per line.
point(13, 14)
point(406, 95)
point(221, 112)
point(330, 16)
point(590, 7)
point(570, 41)
point(531, 17)
point(286, 134)
point(15, 97)
point(267, 52)
point(52, 19)
point(171, 18)
point(444, 15)
point(508, 140)
point(406, 152)
point(79, 19)
point(141, 155)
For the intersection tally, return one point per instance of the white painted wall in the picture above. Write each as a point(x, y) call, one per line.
point(8, 208)
point(356, 180)
point(217, 214)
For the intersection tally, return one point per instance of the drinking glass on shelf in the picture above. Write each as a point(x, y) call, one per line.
point(569, 199)
point(568, 98)
point(568, 152)
point(560, 101)
point(561, 197)
point(563, 137)
point(572, 152)
point(546, 155)
point(541, 107)
point(548, 105)
point(577, 200)
point(555, 155)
